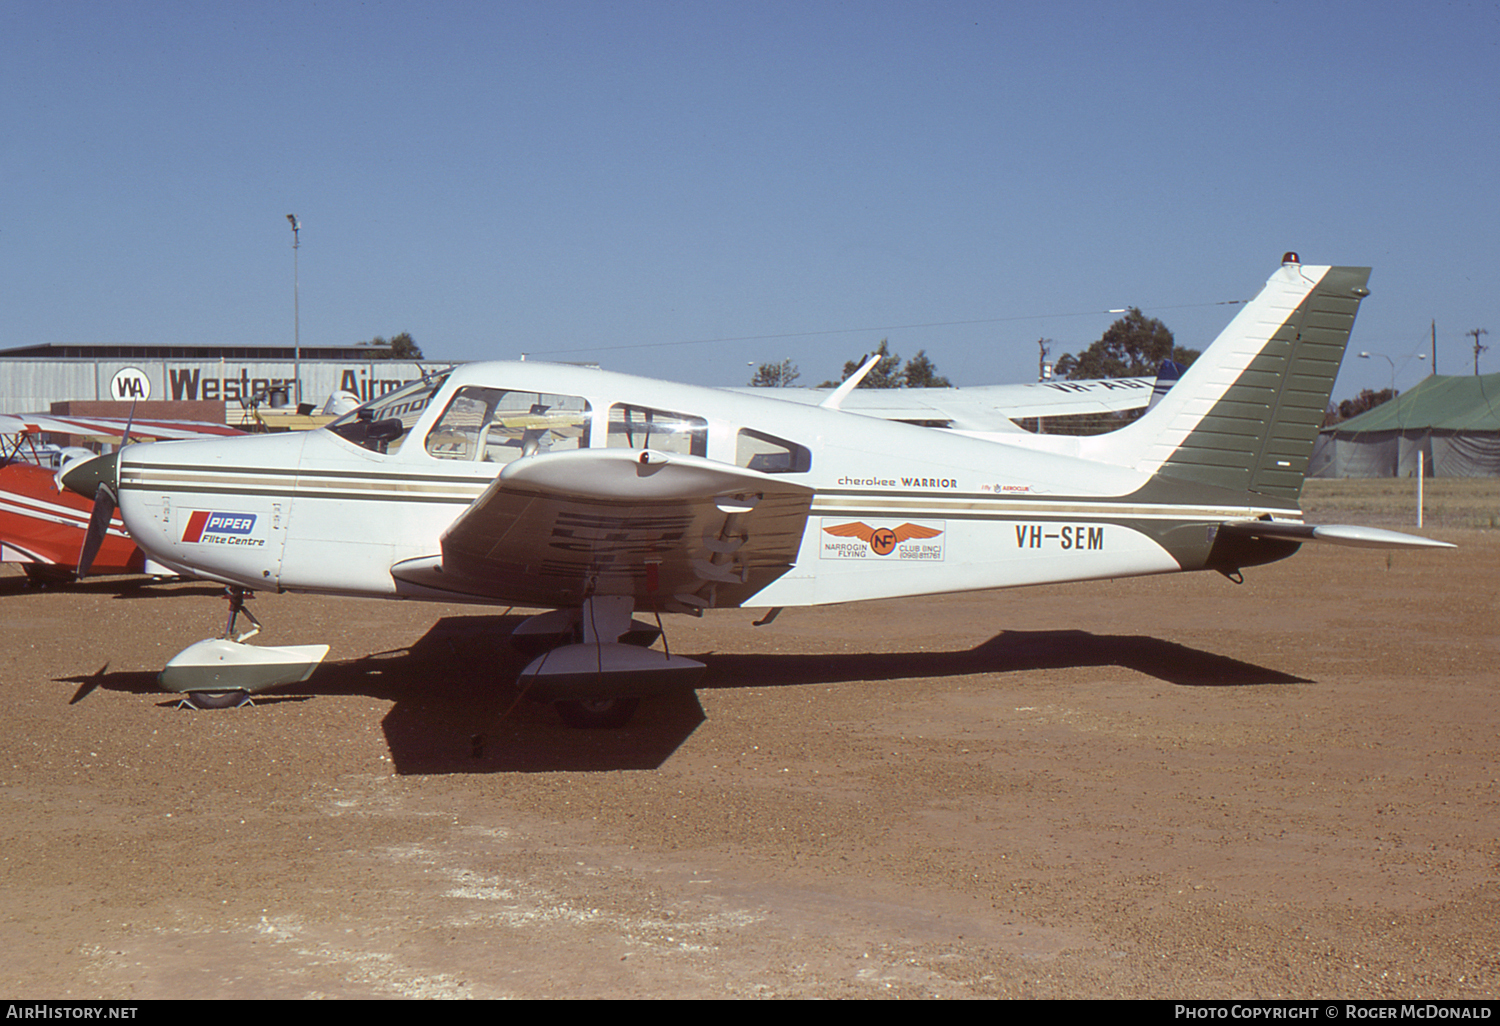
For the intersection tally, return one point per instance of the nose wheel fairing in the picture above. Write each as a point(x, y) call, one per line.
point(223, 664)
point(216, 670)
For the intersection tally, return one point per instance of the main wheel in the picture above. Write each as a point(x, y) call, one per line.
point(216, 699)
point(641, 635)
point(597, 713)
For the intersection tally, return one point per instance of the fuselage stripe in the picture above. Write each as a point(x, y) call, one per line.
point(834, 503)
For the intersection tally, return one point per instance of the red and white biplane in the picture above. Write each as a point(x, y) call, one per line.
point(42, 525)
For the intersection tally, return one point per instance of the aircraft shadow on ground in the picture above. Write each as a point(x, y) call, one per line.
point(161, 590)
point(119, 587)
point(1007, 652)
point(456, 707)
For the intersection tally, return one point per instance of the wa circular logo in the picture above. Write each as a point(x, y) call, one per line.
point(130, 384)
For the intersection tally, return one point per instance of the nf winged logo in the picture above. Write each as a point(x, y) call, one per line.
point(882, 540)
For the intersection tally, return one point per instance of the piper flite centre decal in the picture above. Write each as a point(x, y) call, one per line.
point(214, 528)
point(894, 539)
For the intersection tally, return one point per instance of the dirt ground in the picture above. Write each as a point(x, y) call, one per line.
point(1164, 787)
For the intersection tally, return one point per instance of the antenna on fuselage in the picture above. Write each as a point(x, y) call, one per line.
point(851, 383)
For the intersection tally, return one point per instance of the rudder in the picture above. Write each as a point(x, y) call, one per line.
point(1246, 414)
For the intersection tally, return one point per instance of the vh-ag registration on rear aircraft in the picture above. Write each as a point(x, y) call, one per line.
point(599, 495)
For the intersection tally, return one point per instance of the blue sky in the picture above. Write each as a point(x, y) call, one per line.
point(681, 189)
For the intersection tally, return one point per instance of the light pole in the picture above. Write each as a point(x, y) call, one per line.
point(1387, 359)
point(296, 313)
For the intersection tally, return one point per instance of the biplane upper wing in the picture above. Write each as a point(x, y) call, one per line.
point(673, 532)
point(109, 427)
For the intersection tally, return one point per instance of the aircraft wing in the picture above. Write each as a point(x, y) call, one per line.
point(982, 408)
point(675, 532)
point(109, 427)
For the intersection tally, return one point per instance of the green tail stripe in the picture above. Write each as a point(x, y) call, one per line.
point(1259, 436)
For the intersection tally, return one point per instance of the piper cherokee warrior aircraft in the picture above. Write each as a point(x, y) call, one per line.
point(600, 495)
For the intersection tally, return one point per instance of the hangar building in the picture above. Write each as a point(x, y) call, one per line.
point(33, 378)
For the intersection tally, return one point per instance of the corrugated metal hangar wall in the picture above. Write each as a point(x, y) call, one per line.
point(32, 385)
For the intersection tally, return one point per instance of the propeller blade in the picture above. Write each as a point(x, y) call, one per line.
point(104, 508)
point(125, 438)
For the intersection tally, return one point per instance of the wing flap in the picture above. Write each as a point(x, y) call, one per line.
point(673, 532)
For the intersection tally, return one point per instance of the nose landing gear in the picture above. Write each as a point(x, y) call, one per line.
point(223, 672)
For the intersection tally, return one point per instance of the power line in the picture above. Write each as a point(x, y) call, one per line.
point(855, 331)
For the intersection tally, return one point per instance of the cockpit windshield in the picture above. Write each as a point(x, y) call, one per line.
point(381, 425)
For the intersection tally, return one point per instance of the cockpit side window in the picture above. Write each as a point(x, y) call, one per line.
point(493, 425)
point(636, 427)
point(769, 454)
point(381, 425)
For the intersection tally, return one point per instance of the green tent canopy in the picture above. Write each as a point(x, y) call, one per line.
point(1453, 422)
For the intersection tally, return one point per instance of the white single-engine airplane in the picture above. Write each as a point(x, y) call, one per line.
point(599, 495)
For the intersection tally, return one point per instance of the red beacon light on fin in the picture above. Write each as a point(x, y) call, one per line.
point(1290, 258)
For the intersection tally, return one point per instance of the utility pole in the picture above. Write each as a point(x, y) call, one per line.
point(1043, 372)
point(1476, 332)
point(1434, 345)
point(296, 313)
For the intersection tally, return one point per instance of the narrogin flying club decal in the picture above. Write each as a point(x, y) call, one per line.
point(903, 539)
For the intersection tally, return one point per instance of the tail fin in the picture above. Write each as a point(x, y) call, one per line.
point(1166, 376)
point(1245, 415)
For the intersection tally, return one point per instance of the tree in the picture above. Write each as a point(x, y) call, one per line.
point(919, 372)
point(400, 347)
point(1132, 347)
point(922, 373)
point(1362, 403)
point(885, 374)
point(776, 375)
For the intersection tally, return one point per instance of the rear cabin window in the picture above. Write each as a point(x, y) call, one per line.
point(637, 427)
point(494, 425)
point(769, 454)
